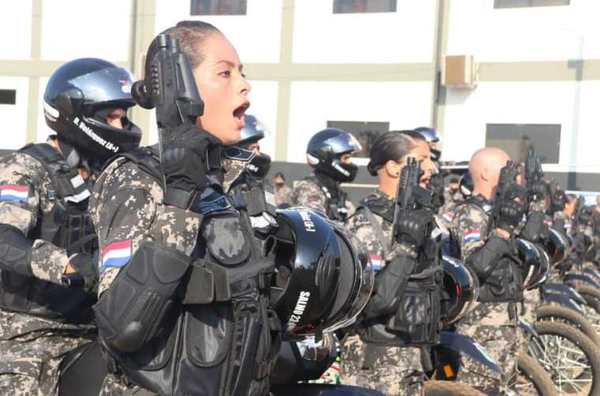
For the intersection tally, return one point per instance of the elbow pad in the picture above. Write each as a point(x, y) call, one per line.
point(535, 229)
point(482, 261)
point(390, 285)
point(15, 250)
point(131, 311)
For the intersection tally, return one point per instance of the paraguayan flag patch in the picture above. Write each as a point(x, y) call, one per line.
point(14, 192)
point(472, 236)
point(376, 262)
point(116, 254)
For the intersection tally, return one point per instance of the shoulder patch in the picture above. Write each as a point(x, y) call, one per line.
point(377, 262)
point(116, 254)
point(14, 192)
point(472, 235)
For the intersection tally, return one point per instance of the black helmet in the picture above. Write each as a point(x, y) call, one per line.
point(535, 263)
point(252, 131)
point(76, 103)
point(466, 185)
point(557, 246)
point(323, 280)
point(325, 150)
point(433, 139)
point(462, 289)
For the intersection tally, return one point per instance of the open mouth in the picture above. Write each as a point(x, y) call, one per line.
point(239, 112)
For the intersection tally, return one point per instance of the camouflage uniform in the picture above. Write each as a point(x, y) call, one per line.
point(127, 208)
point(488, 323)
point(384, 368)
point(450, 202)
point(283, 195)
point(447, 212)
point(33, 347)
point(311, 194)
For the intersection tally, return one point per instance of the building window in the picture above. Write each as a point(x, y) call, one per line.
point(8, 96)
point(364, 132)
point(218, 7)
point(356, 6)
point(529, 3)
point(516, 139)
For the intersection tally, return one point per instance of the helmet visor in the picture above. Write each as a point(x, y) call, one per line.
point(345, 143)
point(105, 86)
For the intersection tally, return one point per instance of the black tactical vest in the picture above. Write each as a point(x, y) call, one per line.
point(418, 316)
point(505, 283)
point(226, 345)
point(67, 226)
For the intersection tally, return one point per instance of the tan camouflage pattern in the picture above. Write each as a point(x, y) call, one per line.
point(388, 372)
point(531, 302)
point(390, 366)
point(360, 225)
point(451, 201)
point(127, 204)
point(488, 323)
point(470, 217)
point(308, 194)
point(283, 195)
point(33, 347)
point(233, 170)
point(490, 326)
point(48, 262)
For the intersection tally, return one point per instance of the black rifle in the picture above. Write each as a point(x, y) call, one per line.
point(533, 171)
point(410, 195)
point(168, 86)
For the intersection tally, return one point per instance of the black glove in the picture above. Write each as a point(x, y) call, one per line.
point(538, 190)
point(508, 176)
point(509, 214)
point(86, 276)
point(187, 160)
point(436, 185)
point(414, 227)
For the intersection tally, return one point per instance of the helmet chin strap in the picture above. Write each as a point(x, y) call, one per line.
point(71, 155)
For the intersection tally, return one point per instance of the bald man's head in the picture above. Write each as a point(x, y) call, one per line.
point(485, 166)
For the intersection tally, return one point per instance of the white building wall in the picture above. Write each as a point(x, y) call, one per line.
point(263, 99)
point(86, 28)
point(402, 104)
point(256, 35)
point(524, 34)
point(407, 35)
point(566, 103)
point(14, 117)
point(15, 29)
